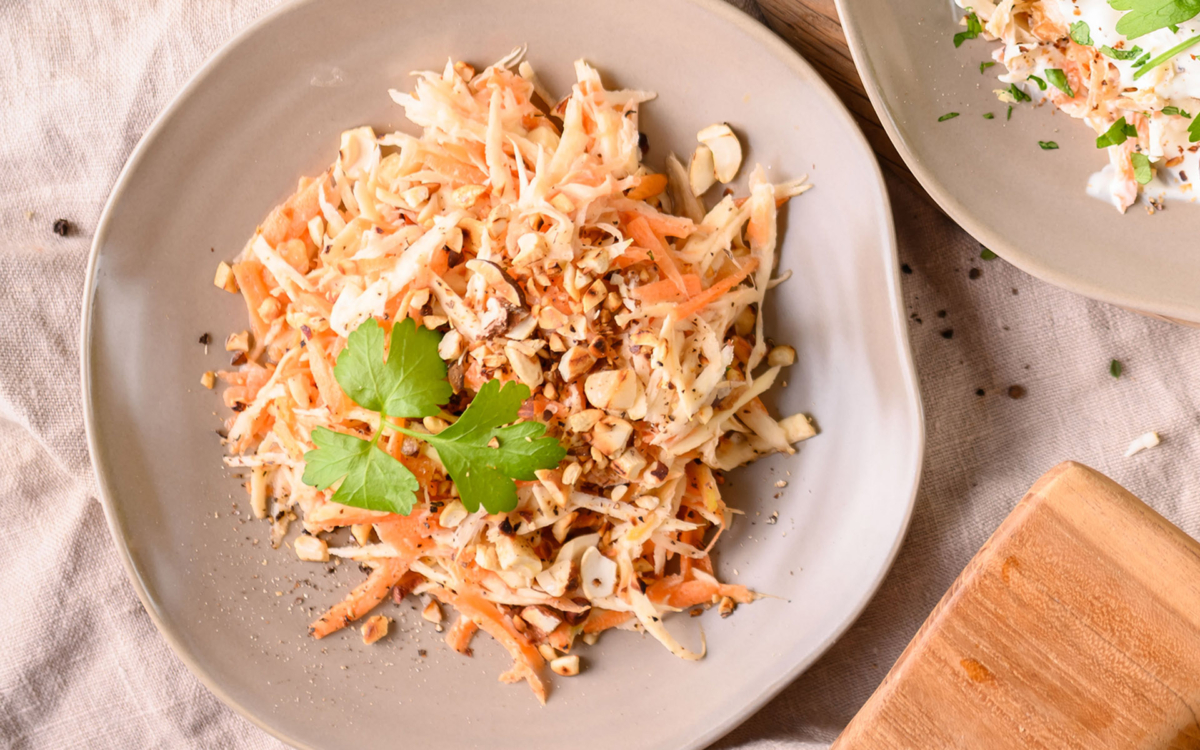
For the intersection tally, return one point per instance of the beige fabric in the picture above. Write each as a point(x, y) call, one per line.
point(82, 665)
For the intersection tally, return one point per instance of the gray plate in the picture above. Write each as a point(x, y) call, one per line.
point(1026, 204)
point(269, 108)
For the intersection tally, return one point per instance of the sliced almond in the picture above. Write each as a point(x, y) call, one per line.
point(375, 628)
point(311, 548)
point(598, 574)
point(781, 356)
point(614, 390)
point(594, 295)
point(432, 612)
point(541, 618)
point(702, 172)
point(575, 362)
point(467, 195)
point(726, 150)
point(225, 278)
point(527, 368)
point(566, 666)
point(610, 435)
point(238, 342)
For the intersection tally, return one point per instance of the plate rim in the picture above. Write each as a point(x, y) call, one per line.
point(1182, 313)
point(724, 11)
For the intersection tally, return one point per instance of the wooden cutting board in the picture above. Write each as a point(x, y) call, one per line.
point(1076, 626)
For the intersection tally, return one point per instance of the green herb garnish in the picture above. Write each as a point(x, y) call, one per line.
point(988, 254)
point(1194, 130)
point(988, 116)
point(974, 29)
point(1114, 368)
point(1058, 79)
point(1081, 33)
point(1009, 115)
point(1144, 16)
point(1141, 61)
point(985, 65)
point(1040, 83)
point(1121, 54)
point(1048, 145)
point(1018, 94)
point(1141, 168)
point(1164, 57)
point(1174, 111)
point(411, 383)
point(948, 116)
point(1117, 134)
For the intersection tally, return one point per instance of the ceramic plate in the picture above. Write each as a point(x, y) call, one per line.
point(267, 109)
point(1027, 204)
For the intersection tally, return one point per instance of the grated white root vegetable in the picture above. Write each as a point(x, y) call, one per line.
point(1141, 443)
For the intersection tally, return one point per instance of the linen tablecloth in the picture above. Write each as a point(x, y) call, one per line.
point(1014, 374)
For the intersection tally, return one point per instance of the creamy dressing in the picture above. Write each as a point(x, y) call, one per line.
point(1168, 184)
point(1173, 83)
point(1102, 21)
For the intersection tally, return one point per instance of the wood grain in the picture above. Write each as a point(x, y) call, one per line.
point(813, 28)
point(1076, 626)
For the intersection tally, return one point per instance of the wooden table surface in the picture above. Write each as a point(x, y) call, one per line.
point(813, 28)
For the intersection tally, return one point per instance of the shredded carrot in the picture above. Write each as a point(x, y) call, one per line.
point(322, 371)
point(602, 619)
point(362, 599)
point(460, 634)
point(650, 186)
point(487, 616)
point(666, 290)
point(702, 300)
point(249, 275)
point(657, 249)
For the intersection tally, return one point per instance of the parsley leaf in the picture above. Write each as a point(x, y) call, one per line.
point(484, 475)
point(988, 254)
point(948, 116)
point(1175, 111)
point(1009, 115)
point(1141, 61)
point(988, 116)
point(1194, 130)
point(1145, 16)
point(1121, 54)
point(1048, 145)
point(411, 383)
point(1058, 79)
point(985, 65)
point(1117, 134)
point(1040, 83)
point(974, 29)
point(1114, 368)
point(1018, 94)
point(1141, 168)
point(370, 478)
point(1081, 33)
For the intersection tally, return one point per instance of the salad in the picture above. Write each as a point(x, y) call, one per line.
point(1126, 67)
point(513, 361)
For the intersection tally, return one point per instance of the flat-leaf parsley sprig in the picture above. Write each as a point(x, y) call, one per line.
point(483, 451)
point(1144, 16)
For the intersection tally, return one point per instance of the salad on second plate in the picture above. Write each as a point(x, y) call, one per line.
point(1127, 68)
